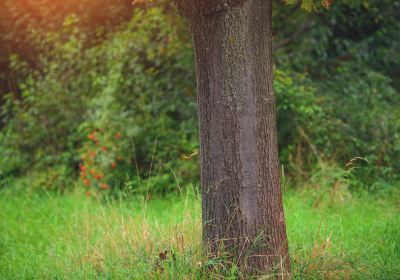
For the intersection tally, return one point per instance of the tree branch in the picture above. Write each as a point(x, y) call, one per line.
point(300, 31)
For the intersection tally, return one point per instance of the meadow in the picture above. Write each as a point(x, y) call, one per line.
point(100, 152)
point(333, 234)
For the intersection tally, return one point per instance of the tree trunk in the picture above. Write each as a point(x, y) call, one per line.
point(241, 195)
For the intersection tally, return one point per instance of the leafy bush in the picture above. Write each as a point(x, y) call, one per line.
point(122, 113)
point(135, 84)
point(347, 53)
point(299, 116)
point(364, 121)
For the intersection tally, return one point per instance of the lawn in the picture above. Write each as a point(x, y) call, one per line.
point(333, 234)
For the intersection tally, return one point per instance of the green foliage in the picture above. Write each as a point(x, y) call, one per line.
point(122, 86)
point(310, 5)
point(372, 128)
point(347, 54)
point(121, 111)
point(299, 116)
point(19, 17)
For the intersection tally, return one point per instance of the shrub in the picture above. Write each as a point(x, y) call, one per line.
point(135, 84)
point(122, 113)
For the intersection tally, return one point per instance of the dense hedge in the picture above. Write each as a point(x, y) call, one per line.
point(122, 113)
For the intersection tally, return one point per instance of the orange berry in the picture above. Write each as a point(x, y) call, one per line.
point(93, 172)
point(92, 136)
point(99, 176)
point(86, 182)
point(113, 165)
point(82, 167)
point(104, 186)
point(327, 3)
point(104, 148)
point(87, 194)
point(118, 135)
point(92, 154)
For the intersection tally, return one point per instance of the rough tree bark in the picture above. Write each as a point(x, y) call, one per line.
point(241, 195)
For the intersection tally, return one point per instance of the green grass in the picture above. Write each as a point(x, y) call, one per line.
point(333, 234)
